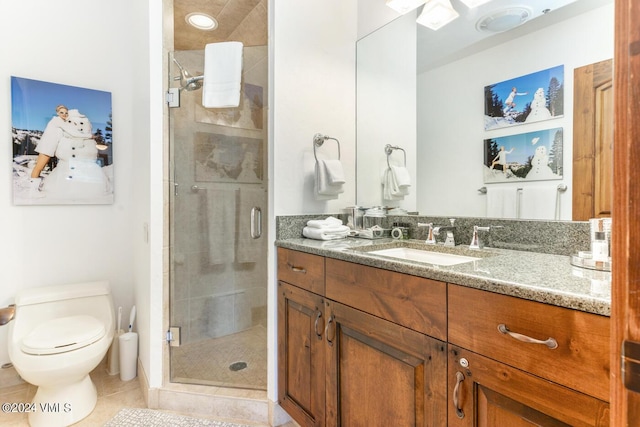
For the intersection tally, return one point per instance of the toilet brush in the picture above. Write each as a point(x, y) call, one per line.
point(113, 357)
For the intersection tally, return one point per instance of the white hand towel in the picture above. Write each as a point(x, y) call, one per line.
point(334, 171)
point(539, 202)
point(222, 75)
point(502, 202)
point(323, 188)
point(320, 234)
point(219, 217)
point(401, 175)
point(324, 223)
point(391, 190)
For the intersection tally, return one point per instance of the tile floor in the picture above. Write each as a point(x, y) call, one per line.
point(208, 362)
point(113, 395)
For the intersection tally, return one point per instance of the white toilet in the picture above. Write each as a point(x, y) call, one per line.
point(59, 335)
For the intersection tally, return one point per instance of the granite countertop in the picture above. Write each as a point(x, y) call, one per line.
point(534, 276)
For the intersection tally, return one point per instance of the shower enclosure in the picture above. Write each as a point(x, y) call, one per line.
point(218, 217)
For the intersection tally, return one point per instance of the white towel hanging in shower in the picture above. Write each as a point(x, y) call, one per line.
point(222, 75)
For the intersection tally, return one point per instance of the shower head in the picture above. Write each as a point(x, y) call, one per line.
point(187, 81)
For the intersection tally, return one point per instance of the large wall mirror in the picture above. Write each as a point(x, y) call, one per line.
point(424, 92)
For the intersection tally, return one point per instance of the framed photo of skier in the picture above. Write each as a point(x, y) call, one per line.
point(531, 156)
point(62, 144)
point(526, 99)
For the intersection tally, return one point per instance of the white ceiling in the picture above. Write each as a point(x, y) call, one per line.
point(460, 37)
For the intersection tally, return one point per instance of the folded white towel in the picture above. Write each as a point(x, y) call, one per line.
point(335, 173)
point(324, 223)
point(323, 187)
point(222, 75)
point(391, 189)
point(401, 175)
point(539, 202)
point(502, 202)
point(321, 234)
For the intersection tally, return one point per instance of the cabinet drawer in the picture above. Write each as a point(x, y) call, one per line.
point(414, 302)
point(580, 360)
point(301, 269)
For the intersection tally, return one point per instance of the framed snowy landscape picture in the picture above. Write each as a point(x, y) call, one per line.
point(61, 143)
point(526, 99)
point(532, 156)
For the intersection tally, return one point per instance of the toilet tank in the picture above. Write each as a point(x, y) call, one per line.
point(37, 305)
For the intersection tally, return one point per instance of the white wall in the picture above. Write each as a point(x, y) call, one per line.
point(314, 83)
point(87, 44)
point(451, 103)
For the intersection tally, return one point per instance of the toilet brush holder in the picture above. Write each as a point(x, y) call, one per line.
point(128, 344)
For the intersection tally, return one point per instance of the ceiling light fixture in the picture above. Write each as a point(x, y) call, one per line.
point(436, 14)
point(404, 6)
point(201, 21)
point(503, 20)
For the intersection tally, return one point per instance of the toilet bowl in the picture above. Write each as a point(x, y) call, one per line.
point(58, 336)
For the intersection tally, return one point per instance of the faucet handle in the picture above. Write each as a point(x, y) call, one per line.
point(431, 240)
point(476, 243)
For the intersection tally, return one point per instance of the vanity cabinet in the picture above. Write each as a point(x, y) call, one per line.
point(347, 357)
point(363, 346)
point(518, 362)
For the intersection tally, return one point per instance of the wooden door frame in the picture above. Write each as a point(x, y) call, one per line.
point(625, 302)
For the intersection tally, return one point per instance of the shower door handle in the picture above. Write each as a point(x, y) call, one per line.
point(256, 222)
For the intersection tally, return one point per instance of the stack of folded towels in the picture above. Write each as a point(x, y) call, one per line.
point(395, 183)
point(326, 229)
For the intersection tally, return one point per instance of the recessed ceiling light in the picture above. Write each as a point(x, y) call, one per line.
point(201, 21)
point(503, 20)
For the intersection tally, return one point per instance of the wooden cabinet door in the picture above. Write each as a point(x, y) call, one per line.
point(301, 355)
point(380, 373)
point(487, 393)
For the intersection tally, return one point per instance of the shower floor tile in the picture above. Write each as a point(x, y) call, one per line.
point(210, 362)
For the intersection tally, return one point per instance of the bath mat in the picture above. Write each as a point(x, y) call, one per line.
point(137, 417)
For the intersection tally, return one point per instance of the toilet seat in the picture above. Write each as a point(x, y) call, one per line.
point(63, 334)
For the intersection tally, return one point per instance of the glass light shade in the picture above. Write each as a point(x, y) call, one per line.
point(201, 21)
point(436, 14)
point(404, 6)
point(474, 3)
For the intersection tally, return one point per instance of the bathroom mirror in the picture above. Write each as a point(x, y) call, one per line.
point(423, 91)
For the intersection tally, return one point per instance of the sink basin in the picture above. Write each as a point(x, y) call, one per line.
point(419, 255)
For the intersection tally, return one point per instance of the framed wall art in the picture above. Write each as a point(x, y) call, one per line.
point(526, 99)
point(532, 156)
point(62, 144)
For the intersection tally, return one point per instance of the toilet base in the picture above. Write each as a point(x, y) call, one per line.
point(64, 405)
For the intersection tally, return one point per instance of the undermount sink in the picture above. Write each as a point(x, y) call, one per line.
point(410, 254)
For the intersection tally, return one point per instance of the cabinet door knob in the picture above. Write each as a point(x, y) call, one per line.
point(549, 342)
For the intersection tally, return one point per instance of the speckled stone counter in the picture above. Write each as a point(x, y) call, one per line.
point(541, 277)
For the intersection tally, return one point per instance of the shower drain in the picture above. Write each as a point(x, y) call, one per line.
point(238, 366)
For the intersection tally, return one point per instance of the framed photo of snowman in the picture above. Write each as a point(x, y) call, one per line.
point(62, 144)
point(531, 156)
point(526, 99)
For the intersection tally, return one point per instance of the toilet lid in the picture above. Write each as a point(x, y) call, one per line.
point(63, 334)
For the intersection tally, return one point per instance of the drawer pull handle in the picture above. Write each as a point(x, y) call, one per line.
point(456, 395)
point(296, 269)
point(315, 326)
point(549, 342)
point(326, 331)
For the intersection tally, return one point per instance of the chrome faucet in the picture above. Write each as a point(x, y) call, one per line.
point(431, 240)
point(450, 240)
point(476, 242)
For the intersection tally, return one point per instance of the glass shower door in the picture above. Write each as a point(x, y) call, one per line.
point(218, 245)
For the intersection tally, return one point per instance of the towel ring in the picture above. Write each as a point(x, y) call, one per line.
point(319, 139)
point(389, 149)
